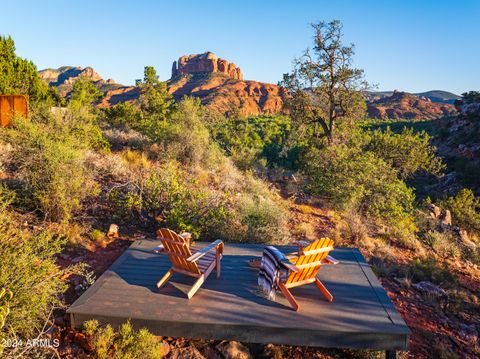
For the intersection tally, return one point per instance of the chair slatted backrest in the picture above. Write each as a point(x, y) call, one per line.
point(310, 260)
point(178, 250)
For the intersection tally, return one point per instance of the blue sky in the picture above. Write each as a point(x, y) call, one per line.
point(407, 45)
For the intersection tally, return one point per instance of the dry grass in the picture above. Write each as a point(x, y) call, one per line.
point(107, 164)
point(304, 231)
point(305, 209)
point(136, 160)
point(125, 138)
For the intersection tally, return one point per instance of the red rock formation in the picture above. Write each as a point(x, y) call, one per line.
point(224, 88)
point(407, 106)
point(122, 94)
point(205, 63)
point(249, 98)
point(218, 83)
point(64, 77)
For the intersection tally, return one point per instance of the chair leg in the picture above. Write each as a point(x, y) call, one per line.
point(217, 265)
point(324, 290)
point(164, 279)
point(196, 286)
point(289, 296)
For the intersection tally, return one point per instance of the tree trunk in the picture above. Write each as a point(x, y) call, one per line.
point(327, 130)
point(330, 138)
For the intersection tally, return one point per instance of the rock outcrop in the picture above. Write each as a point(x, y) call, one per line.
point(228, 96)
point(402, 105)
point(219, 84)
point(205, 63)
point(64, 77)
point(118, 95)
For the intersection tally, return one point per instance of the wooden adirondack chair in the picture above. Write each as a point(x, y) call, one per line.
point(188, 261)
point(303, 268)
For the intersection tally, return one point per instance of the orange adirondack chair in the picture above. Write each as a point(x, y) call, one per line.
point(303, 268)
point(188, 261)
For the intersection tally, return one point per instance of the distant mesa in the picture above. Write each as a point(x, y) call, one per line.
point(205, 63)
point(403, 105)
point(64, 77)
point(433, 95)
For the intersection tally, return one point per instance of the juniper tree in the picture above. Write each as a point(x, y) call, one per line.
point(324, 88)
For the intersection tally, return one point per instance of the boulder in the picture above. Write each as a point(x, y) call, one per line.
point(165, 348)
point(189, 352)
point(434, 210)
point(431, 289)
point(113, 231)
point(233, 350)
point(445, 218)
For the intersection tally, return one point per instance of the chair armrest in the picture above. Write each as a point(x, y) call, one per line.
point(200, 253)
point(331, 260)
point(284, 260)
point(289, 265)
point(302, 243)
point(158, 249)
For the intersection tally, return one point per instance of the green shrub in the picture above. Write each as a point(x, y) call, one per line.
point(18, 75)
point(51, 165)
point(256, 216)
point(185, 137)
point(250, 140)
point(123, 114)
point(465, 208)
point(431, 270)
point(5, 298)
point(352, 179)
point(443, 244)
point(124, 344)
point(28, 270)
point(170, 196)
point(408, 152)
point(97, 235)
point(149, 114)
point(261, 220)
point(83, 96)
point(180, 134)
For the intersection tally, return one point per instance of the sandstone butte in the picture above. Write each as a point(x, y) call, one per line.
point(220, 85)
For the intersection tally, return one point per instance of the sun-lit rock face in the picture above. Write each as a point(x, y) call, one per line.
point(404, 105)
point(205, 63)
point(220, 85)
point(216, 82)
point(64, 77)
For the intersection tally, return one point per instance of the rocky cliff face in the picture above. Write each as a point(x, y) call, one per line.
point(205, 63)
point(219, 84)
point(118, 95)
point(228, 96)
point(402, 105)
point(64, 77)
